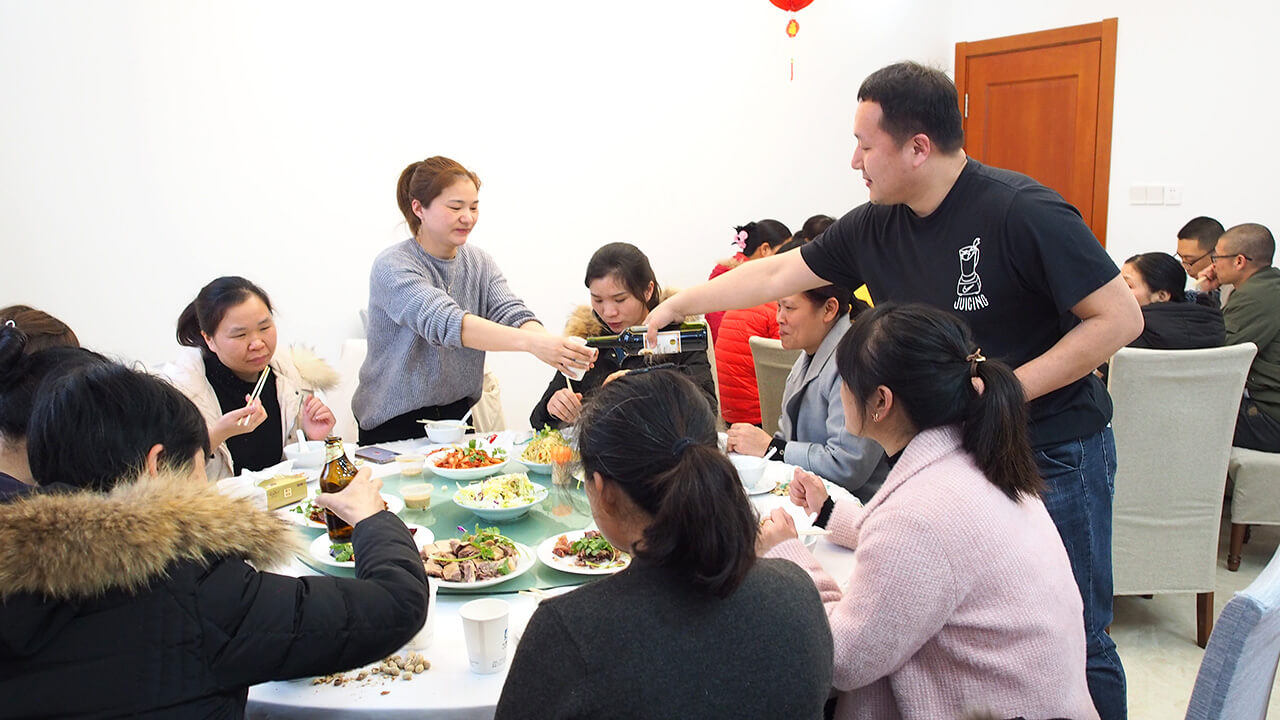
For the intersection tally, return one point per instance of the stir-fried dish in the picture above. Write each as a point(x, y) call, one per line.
point(481, 555)
point(590, 550)
point(471, 455)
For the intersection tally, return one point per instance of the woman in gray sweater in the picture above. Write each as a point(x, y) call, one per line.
point(696, 627)
point(435, 306)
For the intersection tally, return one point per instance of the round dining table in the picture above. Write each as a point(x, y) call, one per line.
point(449, 690)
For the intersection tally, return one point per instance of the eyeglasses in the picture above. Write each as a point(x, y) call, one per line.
point(1195, 260)
point(1216, 258)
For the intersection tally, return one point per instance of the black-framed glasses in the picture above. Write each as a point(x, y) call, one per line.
point(1216, 258)
point(1195, 260)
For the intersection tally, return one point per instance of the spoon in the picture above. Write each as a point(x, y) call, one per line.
point(466, 417)
point(302, 441)
point(771, 452)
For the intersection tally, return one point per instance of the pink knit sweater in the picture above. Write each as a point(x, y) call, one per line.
point(960, 599)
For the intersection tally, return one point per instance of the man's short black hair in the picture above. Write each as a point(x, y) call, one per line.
point(916, 99)
point(1204, 230)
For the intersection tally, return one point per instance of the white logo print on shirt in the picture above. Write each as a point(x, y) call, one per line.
point(969, 287)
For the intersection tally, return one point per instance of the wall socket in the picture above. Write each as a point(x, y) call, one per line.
point(1155, 194)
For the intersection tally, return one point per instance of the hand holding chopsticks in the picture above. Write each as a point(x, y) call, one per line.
point(257, 390)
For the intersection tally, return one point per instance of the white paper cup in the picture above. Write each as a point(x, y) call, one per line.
point(422, 639)
point(576, 373)
point(484, 625)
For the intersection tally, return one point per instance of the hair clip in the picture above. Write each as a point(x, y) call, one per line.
point(973, 359)
point(740, 240)
point(10, 323)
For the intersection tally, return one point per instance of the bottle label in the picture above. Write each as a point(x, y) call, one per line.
point(668, 342)
point(332, 451)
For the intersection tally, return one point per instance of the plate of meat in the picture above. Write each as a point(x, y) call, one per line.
point(584, 552)
point(341, 555)
point(476, 560)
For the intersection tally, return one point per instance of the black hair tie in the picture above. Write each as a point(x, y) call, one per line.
point(681, 445)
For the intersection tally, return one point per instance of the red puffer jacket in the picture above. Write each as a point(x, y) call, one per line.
point(739, 399)
point(722, 267)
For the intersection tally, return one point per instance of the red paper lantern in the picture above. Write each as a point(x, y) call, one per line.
point(791, 5)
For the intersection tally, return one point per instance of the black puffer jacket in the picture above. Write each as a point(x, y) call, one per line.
point(1181, 326)
point(140, 602)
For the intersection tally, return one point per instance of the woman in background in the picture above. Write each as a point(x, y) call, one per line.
point(811, 430)
point(623, 290)
point(752, 241)
point(961, 596)
point(814, 226)
point(696, 626)
point(129, 575)
point(436, 305)
point(229, 331)
point(1171, 321)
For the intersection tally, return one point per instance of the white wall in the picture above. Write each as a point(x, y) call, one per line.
point(149, 146)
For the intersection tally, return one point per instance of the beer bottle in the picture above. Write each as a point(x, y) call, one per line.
point(337, 474)
point(674, 338)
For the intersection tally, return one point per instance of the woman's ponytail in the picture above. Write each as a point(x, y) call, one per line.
point(404, 198)
point(700, 525)
point(189, 327)
point(995, 431)
point(13, 343)
point(653, 435)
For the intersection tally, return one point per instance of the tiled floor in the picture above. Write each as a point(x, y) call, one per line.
point(1157, 637)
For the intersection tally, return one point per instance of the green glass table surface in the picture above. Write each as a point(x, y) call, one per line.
point(564, 510)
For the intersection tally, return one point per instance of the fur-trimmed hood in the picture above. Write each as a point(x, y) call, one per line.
point(583, 321)
point(74, 545)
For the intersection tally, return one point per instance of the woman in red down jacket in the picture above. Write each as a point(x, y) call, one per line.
point(735, 370)
point(753, 241)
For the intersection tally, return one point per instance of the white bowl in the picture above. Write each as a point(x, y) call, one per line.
point(750, 469)
point(444, 431)
point(312, 457)
point(495, 514)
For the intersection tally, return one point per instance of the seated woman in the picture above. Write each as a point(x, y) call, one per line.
point(696, 627)
point(811, 431)
point(231, 335)
point(436, 306)
point(21, 373)
point(1171, 321)
point(131, 576)
point(735, 367)
point(753, 241)
point(962, 597)
point(623, 290)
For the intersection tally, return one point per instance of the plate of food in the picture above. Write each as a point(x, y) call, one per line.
point(476, 560)
point(308, 514)
point(501, 497)
point(584, 552)
point(543, 448)
point(341, 555)
point(467, 462)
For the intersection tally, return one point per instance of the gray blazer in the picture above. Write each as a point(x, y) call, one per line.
point(818, 441)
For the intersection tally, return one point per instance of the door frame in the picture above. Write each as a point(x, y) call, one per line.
point(1105, 32)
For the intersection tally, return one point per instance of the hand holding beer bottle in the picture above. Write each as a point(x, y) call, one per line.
point(337, 474)
point(357, 501)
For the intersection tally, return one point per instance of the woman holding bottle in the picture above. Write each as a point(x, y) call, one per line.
point(436, 305)
point(623, 290)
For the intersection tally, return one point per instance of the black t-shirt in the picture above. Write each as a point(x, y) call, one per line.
point(263, 447)
point(1002, 251)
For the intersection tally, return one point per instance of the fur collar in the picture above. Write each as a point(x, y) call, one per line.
point(83, 543)
point(583, 321)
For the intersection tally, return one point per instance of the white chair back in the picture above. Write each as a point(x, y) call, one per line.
point(773, 364)
point(1239, 666)
point(339, 398)
point(1174, 417)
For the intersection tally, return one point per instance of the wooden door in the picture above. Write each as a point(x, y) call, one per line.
point(1041, 104)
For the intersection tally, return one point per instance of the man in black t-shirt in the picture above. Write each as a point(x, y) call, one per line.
point(1013, 259)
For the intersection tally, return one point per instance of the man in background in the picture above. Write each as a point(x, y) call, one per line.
point(1196, 241)
point(1243, 258)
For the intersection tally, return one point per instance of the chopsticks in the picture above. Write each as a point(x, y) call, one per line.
point(257, 390)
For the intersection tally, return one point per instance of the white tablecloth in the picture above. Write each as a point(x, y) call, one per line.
point(449, 690)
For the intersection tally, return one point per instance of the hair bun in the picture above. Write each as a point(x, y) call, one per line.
point(12, 344)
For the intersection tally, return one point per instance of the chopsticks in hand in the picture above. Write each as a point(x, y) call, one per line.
point(257, 390)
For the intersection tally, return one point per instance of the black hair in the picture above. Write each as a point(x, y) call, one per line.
point(815, 226)
point(761, 232)
point(629, 265)
point(791, 244)
point(94, 426)
point(21, 374)
point(654, 435)
point(916, 99)
point(1161, 272)
point(922, 355)
point(212, 303)
point(1204, 230)
point(1254, 241)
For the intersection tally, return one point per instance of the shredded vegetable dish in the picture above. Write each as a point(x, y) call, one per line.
point(541, 448)
point(471, 455)
point(499, 491)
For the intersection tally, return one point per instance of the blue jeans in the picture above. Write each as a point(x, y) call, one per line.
point(1080, 476)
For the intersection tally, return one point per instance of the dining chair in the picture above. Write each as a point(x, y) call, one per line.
point(1255, 496)
point(1173, 420)
point(773, 364)
point(339, 398)
point(1239, 665)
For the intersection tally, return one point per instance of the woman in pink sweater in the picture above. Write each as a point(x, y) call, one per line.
point(962, 599)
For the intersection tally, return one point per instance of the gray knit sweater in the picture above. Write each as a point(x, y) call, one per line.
point(416, 304)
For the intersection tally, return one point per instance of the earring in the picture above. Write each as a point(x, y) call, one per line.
point(875, 417)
